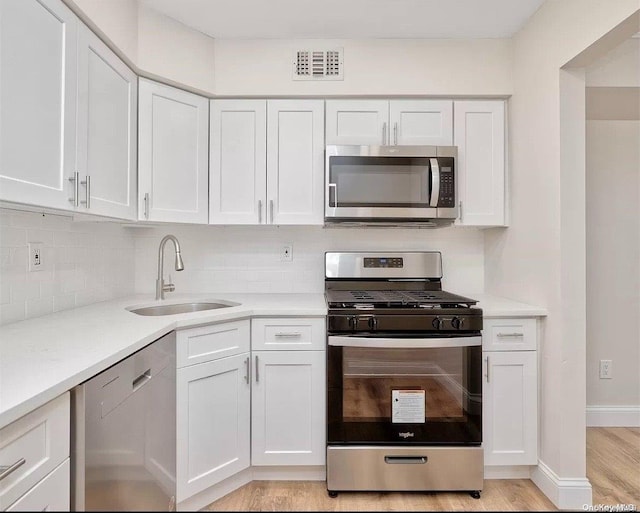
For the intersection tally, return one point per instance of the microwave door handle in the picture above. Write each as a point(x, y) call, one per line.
point(435, 183)
point(335, 194)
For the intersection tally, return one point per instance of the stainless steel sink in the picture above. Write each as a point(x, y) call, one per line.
point(179, 308)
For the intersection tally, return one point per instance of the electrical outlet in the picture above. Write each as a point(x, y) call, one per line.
point(287, 253)
point(606, 369)
point(36, 257)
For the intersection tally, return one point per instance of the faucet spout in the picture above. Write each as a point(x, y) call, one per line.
point(161, 288)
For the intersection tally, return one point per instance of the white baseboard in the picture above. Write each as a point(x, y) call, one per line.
point(507, 471)
point(302, 473)
point(613, 416)
point(215, 492)
point(565, 493)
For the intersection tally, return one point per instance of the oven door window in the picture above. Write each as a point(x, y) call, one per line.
point(401, 182)
point(379, 395)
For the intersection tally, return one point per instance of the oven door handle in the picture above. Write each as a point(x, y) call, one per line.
point(400, 342)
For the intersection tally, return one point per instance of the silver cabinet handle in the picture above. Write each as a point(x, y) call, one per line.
point(487, 374)
point(259, 211)
point(514, 334)
point(257, 375)
point(246, 375)
point(395, 133)
point(384, 133)
point(6, 471)
point(406, 460)
point(141, 380)
point(460, 211)
point(146, 205)
point(271, 210)
point(75, 180)
point(87, 183)
point(435, 182)
point(289, 335)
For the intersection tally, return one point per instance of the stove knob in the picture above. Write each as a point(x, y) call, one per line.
point(437, 323)
point(353, 322)
point(373, 323)
point(457, 323)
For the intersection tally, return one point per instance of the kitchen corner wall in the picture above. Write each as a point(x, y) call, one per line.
point(83, 263)
point(221, 259)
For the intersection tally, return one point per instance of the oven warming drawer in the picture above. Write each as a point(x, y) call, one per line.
point(397, 468)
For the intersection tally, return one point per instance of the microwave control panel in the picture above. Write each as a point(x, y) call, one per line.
point(447, 183)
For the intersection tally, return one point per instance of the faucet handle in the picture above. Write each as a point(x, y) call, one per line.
point(169, 287)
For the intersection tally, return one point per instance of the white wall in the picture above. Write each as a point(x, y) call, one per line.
point(371, 67)
point(619, 68)
point(613, 260)
point(175, 52)
point(530, 261)
point(116, 19)
point(247, 259)
point(83, 263)
point(613, 228)
point(158, 46)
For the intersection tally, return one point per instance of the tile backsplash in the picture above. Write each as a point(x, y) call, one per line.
point(83, 262)
point(248, 258)
point(87, 261)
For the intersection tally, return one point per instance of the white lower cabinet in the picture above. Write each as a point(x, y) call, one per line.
point(510, 413)
point(213, 413)
point(50, 494)
point(288, 408)
point(35, 453)
point(237, 407)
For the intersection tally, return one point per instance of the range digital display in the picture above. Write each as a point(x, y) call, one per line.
point(383, 262)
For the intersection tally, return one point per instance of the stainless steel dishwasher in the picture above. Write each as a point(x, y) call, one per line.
point(123, 441)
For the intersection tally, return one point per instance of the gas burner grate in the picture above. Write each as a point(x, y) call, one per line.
point(368, 299)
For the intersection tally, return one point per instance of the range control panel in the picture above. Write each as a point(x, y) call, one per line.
point(447, 183)
point(383, 262)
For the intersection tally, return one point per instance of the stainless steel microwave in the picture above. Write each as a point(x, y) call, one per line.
point(412, 185)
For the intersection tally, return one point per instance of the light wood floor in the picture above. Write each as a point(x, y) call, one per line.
point(613, 467)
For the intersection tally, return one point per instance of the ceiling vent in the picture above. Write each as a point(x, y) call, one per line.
point(318, 64)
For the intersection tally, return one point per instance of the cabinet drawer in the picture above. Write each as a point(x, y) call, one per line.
point(41, 438)
point(509, 335)
point(198, 345)
point(288, 334)
point(50, 494)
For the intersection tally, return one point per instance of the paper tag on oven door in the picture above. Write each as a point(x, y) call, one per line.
point(407, 406)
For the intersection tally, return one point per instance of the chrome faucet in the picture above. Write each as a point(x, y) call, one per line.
point(161, 288)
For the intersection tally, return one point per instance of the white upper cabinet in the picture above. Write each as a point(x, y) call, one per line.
point(394, 122)
point(173, 154)
point(295, 161)
point(479, 134)
point(238, 165)
point(38, 98)
point(421, 122)
point(267, 162)
point(107, 125)
point(360, 122)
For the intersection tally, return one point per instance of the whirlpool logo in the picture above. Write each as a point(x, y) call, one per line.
point(405, 435)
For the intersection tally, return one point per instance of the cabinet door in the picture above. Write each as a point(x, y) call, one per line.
point(38, 97)
point(510, 413)
point(238, 148)
point(479, 134)
point(213, 423)
point(50, 494)
point(107, 129)
point(421, 122)
point(361, 122)
point(295, 161)
point(288, 411)
point(173, 146)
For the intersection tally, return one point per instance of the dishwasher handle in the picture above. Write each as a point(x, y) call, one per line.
point(141, 380)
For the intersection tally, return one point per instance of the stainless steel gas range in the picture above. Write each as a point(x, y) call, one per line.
point(404, 403)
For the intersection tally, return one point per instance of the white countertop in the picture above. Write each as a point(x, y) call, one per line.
point(43, 357)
